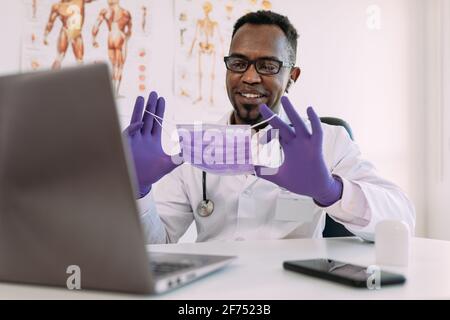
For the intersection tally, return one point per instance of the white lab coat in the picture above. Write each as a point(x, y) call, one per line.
point(247, 207)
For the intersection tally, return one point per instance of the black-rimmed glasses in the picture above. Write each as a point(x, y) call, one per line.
point(264, 66)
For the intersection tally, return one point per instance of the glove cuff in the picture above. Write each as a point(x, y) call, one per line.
point(143, 191)
point(333, 194)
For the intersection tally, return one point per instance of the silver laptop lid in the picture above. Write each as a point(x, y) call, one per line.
point(66, 198)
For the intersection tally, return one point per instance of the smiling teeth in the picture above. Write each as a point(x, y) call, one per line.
point(251, 96)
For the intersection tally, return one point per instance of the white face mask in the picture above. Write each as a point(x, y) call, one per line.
point(217, 149)
point(224, 150)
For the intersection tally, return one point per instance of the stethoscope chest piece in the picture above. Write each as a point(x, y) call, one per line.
point(205, 208)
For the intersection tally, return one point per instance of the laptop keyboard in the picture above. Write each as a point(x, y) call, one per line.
point(162, 268)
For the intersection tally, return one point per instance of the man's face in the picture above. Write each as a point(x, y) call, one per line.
point(253, 42)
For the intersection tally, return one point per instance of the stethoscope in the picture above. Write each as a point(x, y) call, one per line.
point(205, 207)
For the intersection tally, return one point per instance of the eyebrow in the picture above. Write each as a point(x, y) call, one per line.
point(238, 55)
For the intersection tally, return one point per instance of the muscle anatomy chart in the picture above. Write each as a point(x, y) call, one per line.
point(61, 33)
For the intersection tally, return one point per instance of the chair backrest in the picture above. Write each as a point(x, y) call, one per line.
point(333, 228)
point(338, 122)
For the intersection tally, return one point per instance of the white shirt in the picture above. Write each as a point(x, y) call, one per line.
point(248, 207)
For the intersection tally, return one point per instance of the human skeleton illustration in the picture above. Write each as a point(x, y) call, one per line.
point(144, 18)
point(34, 8)
point(205, 35)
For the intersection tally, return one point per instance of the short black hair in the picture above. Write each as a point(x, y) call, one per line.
point(264, 17)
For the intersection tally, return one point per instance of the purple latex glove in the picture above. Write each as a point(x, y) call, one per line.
point(304, 170)
point(144, 135)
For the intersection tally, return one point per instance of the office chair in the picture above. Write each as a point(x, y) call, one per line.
point(333, 228)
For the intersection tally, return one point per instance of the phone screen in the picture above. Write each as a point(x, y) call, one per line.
point(341, 272)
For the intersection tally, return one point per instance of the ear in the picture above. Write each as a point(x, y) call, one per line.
point(295, 74)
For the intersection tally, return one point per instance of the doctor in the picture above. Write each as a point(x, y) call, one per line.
point(322, 170)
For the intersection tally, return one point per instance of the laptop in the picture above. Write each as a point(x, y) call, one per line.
point(67, 192)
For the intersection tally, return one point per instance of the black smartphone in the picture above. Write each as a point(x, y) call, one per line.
point(345, 273)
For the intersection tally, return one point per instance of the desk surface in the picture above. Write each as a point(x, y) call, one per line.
point(258, 273)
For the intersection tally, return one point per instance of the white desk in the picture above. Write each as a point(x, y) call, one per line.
point(258, 273)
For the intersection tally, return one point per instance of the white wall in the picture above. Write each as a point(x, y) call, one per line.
point(373, 79)
point(438, 118)
point(10, 31)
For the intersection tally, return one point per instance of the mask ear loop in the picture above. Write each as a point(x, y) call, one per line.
point(263, 122)
point(159, 121)
point(257, 125)
point(158, 118)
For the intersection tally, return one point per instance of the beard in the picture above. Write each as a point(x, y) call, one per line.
point(244, 114)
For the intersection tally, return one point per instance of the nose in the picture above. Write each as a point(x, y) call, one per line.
point(251, 76)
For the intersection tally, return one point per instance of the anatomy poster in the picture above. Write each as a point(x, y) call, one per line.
point(60, 33)
point(204, 30)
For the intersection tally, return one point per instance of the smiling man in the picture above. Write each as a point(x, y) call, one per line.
point(319, 169)
point(270, 43)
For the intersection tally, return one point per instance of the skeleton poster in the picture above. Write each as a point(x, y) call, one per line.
point(204, 29)
point(60, 33)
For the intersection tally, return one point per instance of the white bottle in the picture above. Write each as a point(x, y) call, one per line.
point(392, 243)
